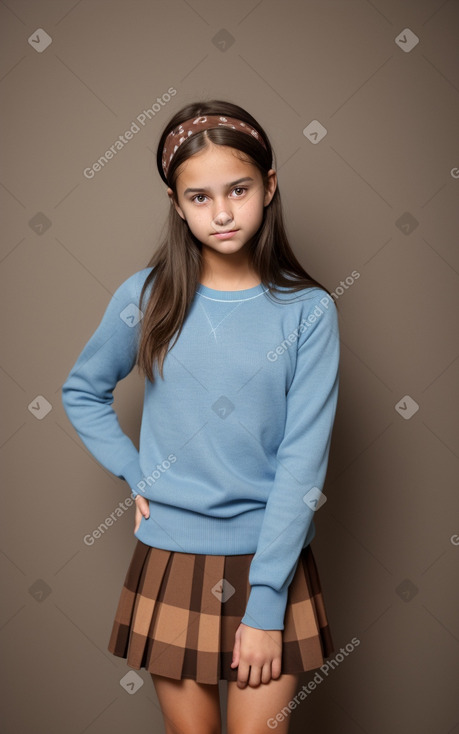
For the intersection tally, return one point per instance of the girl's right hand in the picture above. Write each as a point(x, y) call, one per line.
point(142, 507)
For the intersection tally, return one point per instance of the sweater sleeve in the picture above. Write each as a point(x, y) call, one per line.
point(87, 394)
point(302, 460)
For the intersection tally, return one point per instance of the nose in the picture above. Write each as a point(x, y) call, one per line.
point(223, 216)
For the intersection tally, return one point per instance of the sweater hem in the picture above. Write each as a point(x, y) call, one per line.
point(191, 532)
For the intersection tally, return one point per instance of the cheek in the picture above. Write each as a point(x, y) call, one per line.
point(198, 217)
point(252, 210)
point(198, 220)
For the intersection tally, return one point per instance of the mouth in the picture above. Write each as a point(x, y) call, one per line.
point(225, 235)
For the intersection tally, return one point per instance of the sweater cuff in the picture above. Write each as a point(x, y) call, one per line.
point(133, 475)
point(265, 608)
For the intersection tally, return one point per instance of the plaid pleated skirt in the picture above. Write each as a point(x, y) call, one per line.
point(178, 614)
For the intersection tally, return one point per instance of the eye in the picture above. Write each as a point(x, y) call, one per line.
point(196, 197)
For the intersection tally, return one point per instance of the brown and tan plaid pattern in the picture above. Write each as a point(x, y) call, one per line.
point(173, 617)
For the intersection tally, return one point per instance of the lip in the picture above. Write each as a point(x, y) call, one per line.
point(225, 235)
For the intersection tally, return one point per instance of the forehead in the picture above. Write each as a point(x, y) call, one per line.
point(215, 165)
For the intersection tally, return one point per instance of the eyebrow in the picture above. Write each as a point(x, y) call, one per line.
point(230, 185)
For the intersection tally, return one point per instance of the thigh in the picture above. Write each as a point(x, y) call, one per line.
point(249, 709)
point(187, 706)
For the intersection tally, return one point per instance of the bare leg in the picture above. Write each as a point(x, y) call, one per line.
point(187, 706)
point(250, 708)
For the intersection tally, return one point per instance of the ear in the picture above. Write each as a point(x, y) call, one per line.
point(171, 196)
point(271, 186)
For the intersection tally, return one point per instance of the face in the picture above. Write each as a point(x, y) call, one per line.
point(218, 192)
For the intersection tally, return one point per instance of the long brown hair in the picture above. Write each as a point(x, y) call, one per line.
point(177, 262)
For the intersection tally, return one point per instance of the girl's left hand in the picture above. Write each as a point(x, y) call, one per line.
point(258, 654)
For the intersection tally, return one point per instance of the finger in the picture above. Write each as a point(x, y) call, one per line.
point(142, 505)
point(266, 673)
point(243, 675)
point(276, 668)
point(255, 677)
point(236, 652)
point(137, 519)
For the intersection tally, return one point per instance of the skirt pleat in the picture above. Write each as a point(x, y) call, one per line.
point(178, 614)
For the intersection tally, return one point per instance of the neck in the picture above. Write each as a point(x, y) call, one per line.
point(227, 272)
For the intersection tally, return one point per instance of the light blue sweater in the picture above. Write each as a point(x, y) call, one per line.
point(234, 442)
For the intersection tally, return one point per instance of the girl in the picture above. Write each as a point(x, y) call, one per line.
point(235, 436)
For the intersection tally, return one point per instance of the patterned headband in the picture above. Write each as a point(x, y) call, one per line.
point(195, 125)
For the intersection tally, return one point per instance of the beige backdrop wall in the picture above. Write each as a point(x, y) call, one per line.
point(376, 195)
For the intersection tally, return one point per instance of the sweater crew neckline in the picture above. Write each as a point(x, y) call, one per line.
point(243, 295)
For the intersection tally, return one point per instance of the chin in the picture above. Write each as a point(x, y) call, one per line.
point(228, 248)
